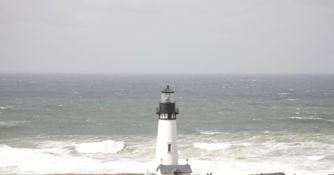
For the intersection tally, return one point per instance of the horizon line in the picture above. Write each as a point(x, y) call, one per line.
point(184, 73)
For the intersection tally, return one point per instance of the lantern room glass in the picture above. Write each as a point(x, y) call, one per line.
point(167, 98)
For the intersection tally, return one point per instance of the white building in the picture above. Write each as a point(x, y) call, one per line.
point(166, 151)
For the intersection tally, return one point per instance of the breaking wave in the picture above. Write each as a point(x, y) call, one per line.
point(107, 146)
point(54, 158)
point(315, 157)
point(210, 132)
point(212, 146)
point(218, 146)
point(11, 123)
point(306, 118)
point(242, 156)
point(4, 107)
point(310, 118)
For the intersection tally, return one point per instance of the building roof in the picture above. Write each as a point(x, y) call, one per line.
point(168, 169)
point(167, 90)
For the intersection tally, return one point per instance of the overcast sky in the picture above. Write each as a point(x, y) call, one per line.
point(167, 36)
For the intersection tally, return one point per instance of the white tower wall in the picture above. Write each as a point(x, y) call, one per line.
point(166, 143)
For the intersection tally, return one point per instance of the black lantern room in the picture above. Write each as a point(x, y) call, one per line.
point(167, 109)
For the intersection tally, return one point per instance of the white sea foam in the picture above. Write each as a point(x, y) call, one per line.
point(235, 167)
point(246, 156)
point(210, 132)
point(11, 123)
point(4, 107)
point(266, 132)
point(212, 146)
point(310, 118)
point(283, 94)
point(315, 157)
point(107, 146)
point(293, 99)
point(15, 160)
point(306, 118)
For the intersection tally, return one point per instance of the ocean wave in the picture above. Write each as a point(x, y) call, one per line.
point(310, 118)
point(212, 146)
point(5, 107)
point(306, 118)
point(292, 99)
point(11, 123)
point(25, 159)
point(59, 160)
point(242, 156)
point(210, 132)
point(315, 157)
point(283, 94)
point(107, 146)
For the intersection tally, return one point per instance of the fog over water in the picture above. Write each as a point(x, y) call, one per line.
point(189, 36)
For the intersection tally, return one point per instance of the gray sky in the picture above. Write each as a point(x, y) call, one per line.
point(167, 36)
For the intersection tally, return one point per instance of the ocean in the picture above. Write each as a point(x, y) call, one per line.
point(228, 124)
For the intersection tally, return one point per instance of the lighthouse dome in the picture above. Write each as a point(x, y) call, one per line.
point(167, 90)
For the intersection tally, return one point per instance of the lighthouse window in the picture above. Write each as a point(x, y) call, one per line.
point(164, 116)
point(167, 98)
point(169, 147)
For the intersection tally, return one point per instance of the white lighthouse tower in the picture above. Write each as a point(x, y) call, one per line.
point(166, 151)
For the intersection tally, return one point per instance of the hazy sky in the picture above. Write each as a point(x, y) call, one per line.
point(167, 36)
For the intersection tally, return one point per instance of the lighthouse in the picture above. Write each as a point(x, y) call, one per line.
point(166, 151)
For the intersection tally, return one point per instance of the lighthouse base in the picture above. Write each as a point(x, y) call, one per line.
point(174, 169)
